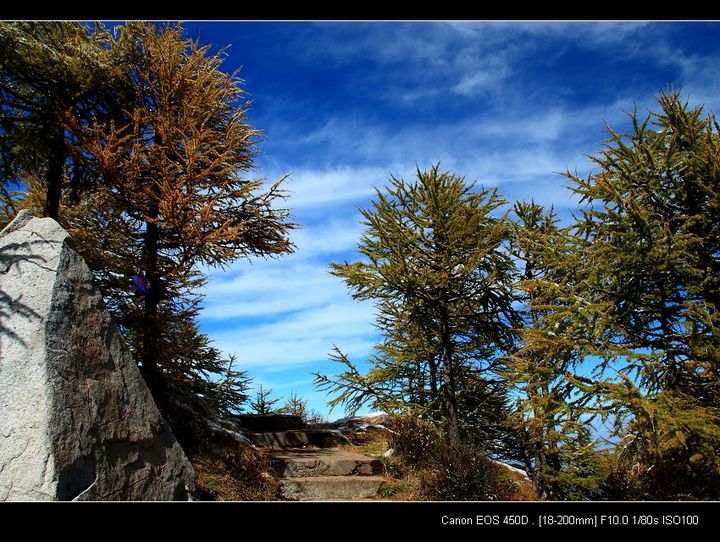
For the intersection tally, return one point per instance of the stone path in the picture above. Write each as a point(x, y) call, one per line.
point(323, 474)
point(309, 462)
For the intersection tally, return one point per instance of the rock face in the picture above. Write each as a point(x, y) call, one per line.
point(300, 463)
point(77, 421)
point(298, 438)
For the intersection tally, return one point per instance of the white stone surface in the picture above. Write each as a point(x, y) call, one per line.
point(76, 418)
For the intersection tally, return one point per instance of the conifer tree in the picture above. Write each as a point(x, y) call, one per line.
point(175, 172)
point(162, 190)
point(651, 289)
point(262, 404)
point(49, 72)
point(554, 404)
point(295, 405)
point(437, 266)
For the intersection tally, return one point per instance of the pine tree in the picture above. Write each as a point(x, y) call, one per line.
point(296, 406)
point(230, 392)
point(651, 288)
point(161, 188)
point(441, 276)
point(262, 404)
point(174, 175)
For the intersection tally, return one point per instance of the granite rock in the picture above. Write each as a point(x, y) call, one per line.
point(77, 421)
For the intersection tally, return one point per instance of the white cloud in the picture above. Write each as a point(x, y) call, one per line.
point(327, 187)
point(294, 282)
point(287, 313)
point(302, 337)
point(290, 311)
point(514, 146)
point(330, 237)
point(469, 59)
point(270, 290)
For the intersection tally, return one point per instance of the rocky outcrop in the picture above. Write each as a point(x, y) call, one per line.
point(354, 425)
point(77, 421)
point(331, 488)
point(305, 462)
point(298, 438)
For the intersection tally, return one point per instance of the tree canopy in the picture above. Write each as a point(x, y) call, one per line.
point(650, 286)
point(157, 155)
point(440, 275)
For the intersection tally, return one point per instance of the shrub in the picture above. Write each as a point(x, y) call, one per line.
point(464, 473)
point(666, 478)
point(225, 471)
point(413, 440)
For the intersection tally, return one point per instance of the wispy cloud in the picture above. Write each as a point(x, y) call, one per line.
point(281, 313)
point(332, 186)
point(508, 104)
point(303, 337)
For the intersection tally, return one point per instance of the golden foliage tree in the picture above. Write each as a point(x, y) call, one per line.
point(158, 172)
point(175, 193)
point(175, 168)
point(50, 71)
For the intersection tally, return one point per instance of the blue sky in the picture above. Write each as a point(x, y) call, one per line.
point(342, 105)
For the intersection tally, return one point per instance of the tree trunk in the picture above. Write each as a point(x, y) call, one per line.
point(151, 327)
point(432, 365)
point(55, 174)
point(449, 394)
point(553, 462)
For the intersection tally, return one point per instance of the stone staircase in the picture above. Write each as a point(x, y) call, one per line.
point(324, 474)
point(297, 438)
point(310, 465)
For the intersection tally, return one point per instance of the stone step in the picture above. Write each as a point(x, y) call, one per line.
point(267, 422)
point(298, 438)
point(296, 463)
point(330, 488)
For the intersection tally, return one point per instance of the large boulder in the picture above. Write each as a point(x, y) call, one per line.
point(77, 421)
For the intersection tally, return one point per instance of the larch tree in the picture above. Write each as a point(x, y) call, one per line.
point(295, 406)
point(555, 403)
point(438, 269)
point(167, 161)
point(175, 170)
point(651, 229)
point(50, 71)
point(262, 403)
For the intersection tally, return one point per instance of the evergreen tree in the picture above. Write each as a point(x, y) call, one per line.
point(161, 189)
point(262, 404)
point(295, 406)
point(554, 404)
point(651, 288)
point(438, 268)
point(230, 392)
point(174, 173)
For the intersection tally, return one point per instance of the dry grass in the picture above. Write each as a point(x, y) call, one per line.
point(372, 443)
point(525, 489)
point(406, 480)
point(233, 473)
point(405, 488)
